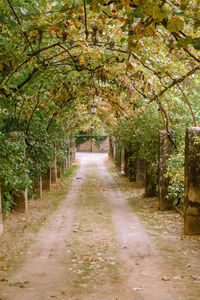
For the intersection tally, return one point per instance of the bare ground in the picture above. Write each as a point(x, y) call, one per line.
point(104, 241)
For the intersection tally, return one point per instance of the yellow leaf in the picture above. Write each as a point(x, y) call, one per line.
point(34, 32)
point(129, 66)
point(81, 59)
point(175, 24)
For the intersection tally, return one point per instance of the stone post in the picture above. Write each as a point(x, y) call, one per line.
point(38, 188)
point(114, 148)
point(46, 180)
point(132, 170)
point(123, 160)
point(58, 172)
point(73, 149)
point(166, 149)
point(192, 182)
point(66, 163)
point(64, 166)
point(70, 153)
point(62, 169)
point(21, 200)
point(111, 150)
point(140, 172)
point(69, 160)
point(54, 169)
point(126, 163)
point(151, 181)
point(115, 151)
point(1, 219)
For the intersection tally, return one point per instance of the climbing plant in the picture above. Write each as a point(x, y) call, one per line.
point(136, 60)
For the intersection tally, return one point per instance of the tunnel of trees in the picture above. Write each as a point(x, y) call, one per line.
point(135, 61)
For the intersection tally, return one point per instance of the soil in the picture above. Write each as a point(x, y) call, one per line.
point(102, 240)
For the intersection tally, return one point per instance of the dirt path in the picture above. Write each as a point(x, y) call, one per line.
point(94, 247)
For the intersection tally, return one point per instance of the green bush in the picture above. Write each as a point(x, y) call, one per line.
point(175, 173)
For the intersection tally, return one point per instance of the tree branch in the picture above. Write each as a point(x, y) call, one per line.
point(37, 103)
point(175, 81)
point(85, 15)
point(167, 123)
point(19, 23)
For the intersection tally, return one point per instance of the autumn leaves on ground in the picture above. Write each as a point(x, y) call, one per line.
point(84, 240)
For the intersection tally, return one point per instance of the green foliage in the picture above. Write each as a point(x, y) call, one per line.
point(13, 166)
point(61, 155)
point(39, 150)
point(118, 155)
point(127, 61)
point(139, 136)
point(83, 138)
point(14, 173)
point(7, 201)
point(175, 173)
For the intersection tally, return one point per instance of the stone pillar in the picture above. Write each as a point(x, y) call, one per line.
point(122, 160)
point(132, 170)
point(114, 148)
point(69, 160)
point(66, 164)
point(151, 181)
point(62, 169)
point(166, 149)
point(73, 149)
point(140, 172)
point(192, 182)
point(46, 180)
point(1, 219)
point(38, 188)
point(21, 200)
point(111, 150)
point(126, 163)
point(20, 197)
point(54, 169)
point(58, 172)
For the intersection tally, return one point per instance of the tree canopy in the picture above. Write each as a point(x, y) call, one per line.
point(136, 60)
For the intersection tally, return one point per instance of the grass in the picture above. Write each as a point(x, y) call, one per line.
point(69, 172)
point(133, 204)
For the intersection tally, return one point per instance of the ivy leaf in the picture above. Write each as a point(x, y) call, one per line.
point(175, 24)
point(158, 13)
point(131, 42)
point(196, 43)
point(184, 42)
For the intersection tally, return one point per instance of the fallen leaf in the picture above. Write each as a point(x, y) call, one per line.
point(137, 289)
point(165, 278)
